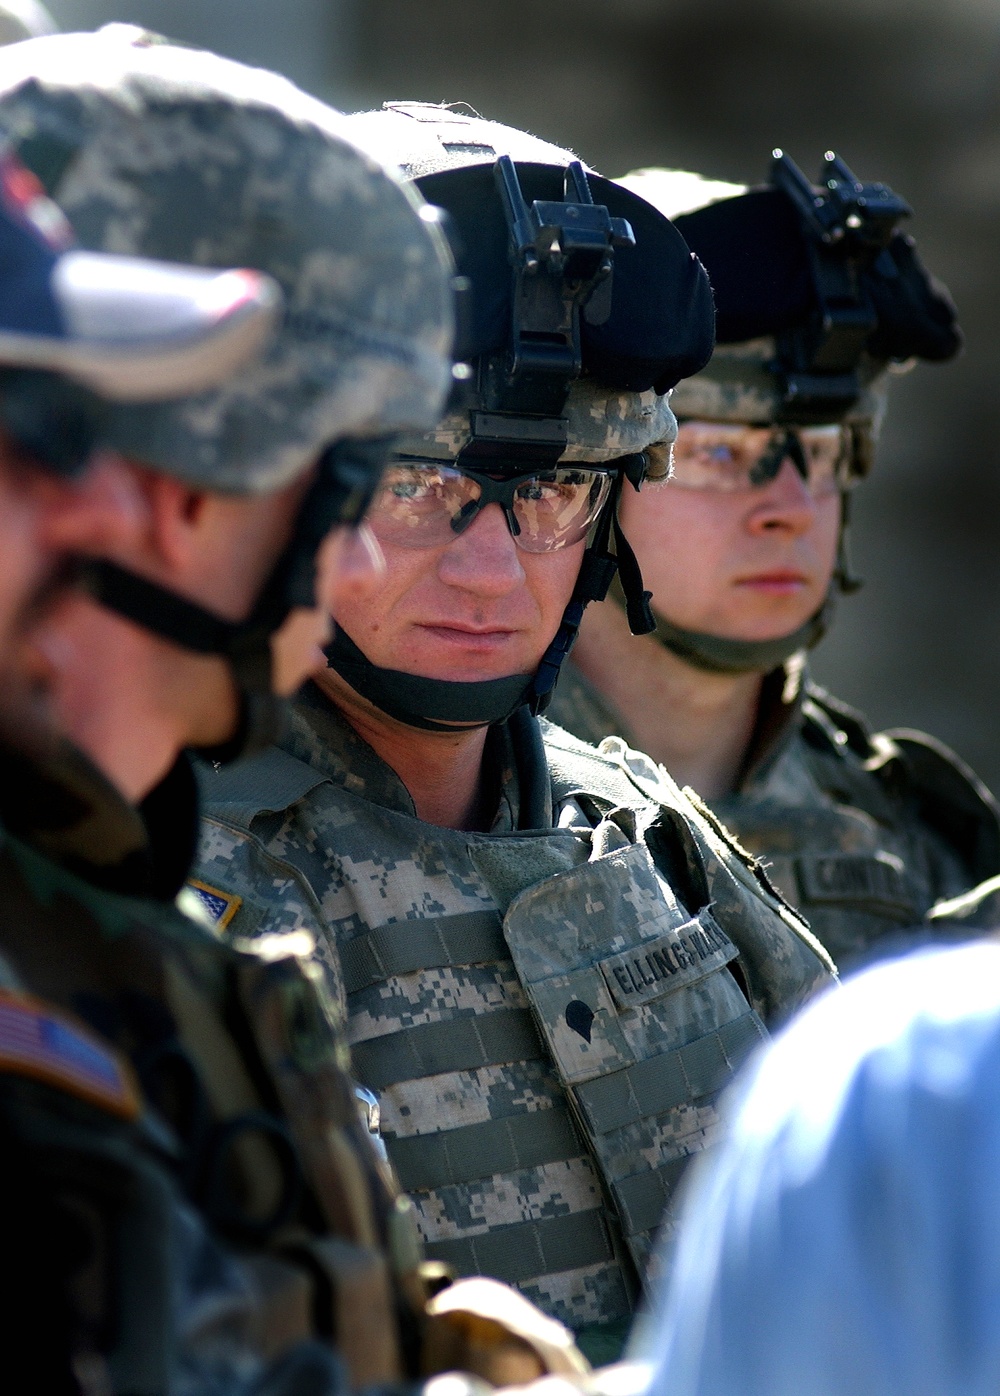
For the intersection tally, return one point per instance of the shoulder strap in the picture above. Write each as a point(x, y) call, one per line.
point(951, 798)
point(264, 784)
point(835, 720)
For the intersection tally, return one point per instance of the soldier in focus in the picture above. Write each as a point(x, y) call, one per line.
point(818, 296)
point(550, 960)
point(191, 1202)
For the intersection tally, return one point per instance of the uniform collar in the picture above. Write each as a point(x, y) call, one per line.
point(58, 803)
point(779, 714)
point(318, 734)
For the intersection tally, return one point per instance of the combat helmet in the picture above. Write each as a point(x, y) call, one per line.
point(582, 308)
point(168, 152)
point(819, 299)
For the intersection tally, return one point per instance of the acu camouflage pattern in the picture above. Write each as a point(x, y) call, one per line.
point(480, 972)
point(863, 831)
point(249, 1171)
point(177, 154)
point(601, 425)
point(738, 385)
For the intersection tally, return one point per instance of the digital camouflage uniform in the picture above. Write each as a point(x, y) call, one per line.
point(547, 1015)
point(862, 831)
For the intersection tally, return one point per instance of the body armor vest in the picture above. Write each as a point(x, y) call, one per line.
point(866, 832)
point(863, 832)
point(547, 1015)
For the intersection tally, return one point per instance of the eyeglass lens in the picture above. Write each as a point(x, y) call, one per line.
point(426, 504)
point(729, 456)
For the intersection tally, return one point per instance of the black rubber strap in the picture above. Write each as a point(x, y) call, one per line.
point(461, 1044)
point(478, 1151)
point(527, 1250)
point(661, 1083)
point(147, 604)
point(403, 947)
point(433, 705)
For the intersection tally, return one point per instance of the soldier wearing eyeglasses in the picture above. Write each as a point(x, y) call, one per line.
point(818, 296)
point(550, 960)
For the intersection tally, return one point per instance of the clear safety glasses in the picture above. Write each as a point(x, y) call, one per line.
point(422, 504)
point(726, 456)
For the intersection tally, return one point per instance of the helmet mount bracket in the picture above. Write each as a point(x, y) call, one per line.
point(847, 226)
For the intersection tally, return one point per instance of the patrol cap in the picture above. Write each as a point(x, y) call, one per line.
point(123, 326)
point(655, 328)
point(171, 153)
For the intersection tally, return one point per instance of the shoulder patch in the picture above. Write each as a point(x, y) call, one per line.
point(221, 906)
point(38, 1041)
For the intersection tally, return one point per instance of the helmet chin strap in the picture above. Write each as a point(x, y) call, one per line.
point(717, 655)
point(433, 705)
point(345, 476)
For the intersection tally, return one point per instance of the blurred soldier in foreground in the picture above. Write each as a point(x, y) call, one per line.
point(847, 1238)
point(745, 551)
point(551, 960)
point(190, 1201)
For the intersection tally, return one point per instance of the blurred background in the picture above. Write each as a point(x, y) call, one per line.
point(907, 91)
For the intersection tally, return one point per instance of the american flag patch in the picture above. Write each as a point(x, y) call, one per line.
point(221, 906)
point(38, 1041)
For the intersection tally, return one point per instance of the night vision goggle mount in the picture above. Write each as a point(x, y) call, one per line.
point(848, 227)
point(562, 262)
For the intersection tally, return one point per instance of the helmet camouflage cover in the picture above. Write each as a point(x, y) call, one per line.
point(177, 154)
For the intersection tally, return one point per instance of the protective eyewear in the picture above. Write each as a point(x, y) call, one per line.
point(424, 504)
point(727, 457)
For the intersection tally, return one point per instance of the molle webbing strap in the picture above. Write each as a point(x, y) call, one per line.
point(463, 1044)
point(643, 1199)
point(526, 1250)
point(435, 942)
point(661, 1083)
point(462, 1155)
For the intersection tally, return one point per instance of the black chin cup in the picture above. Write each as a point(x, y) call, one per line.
point(433, 705)
point(347, 476)
point(717, 655)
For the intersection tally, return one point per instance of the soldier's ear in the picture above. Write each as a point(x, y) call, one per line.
point(172, 512)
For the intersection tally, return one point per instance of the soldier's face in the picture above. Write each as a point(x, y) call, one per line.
point(477, 607)
point(748, 564)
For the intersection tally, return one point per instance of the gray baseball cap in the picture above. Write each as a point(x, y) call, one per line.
point(171, 153)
